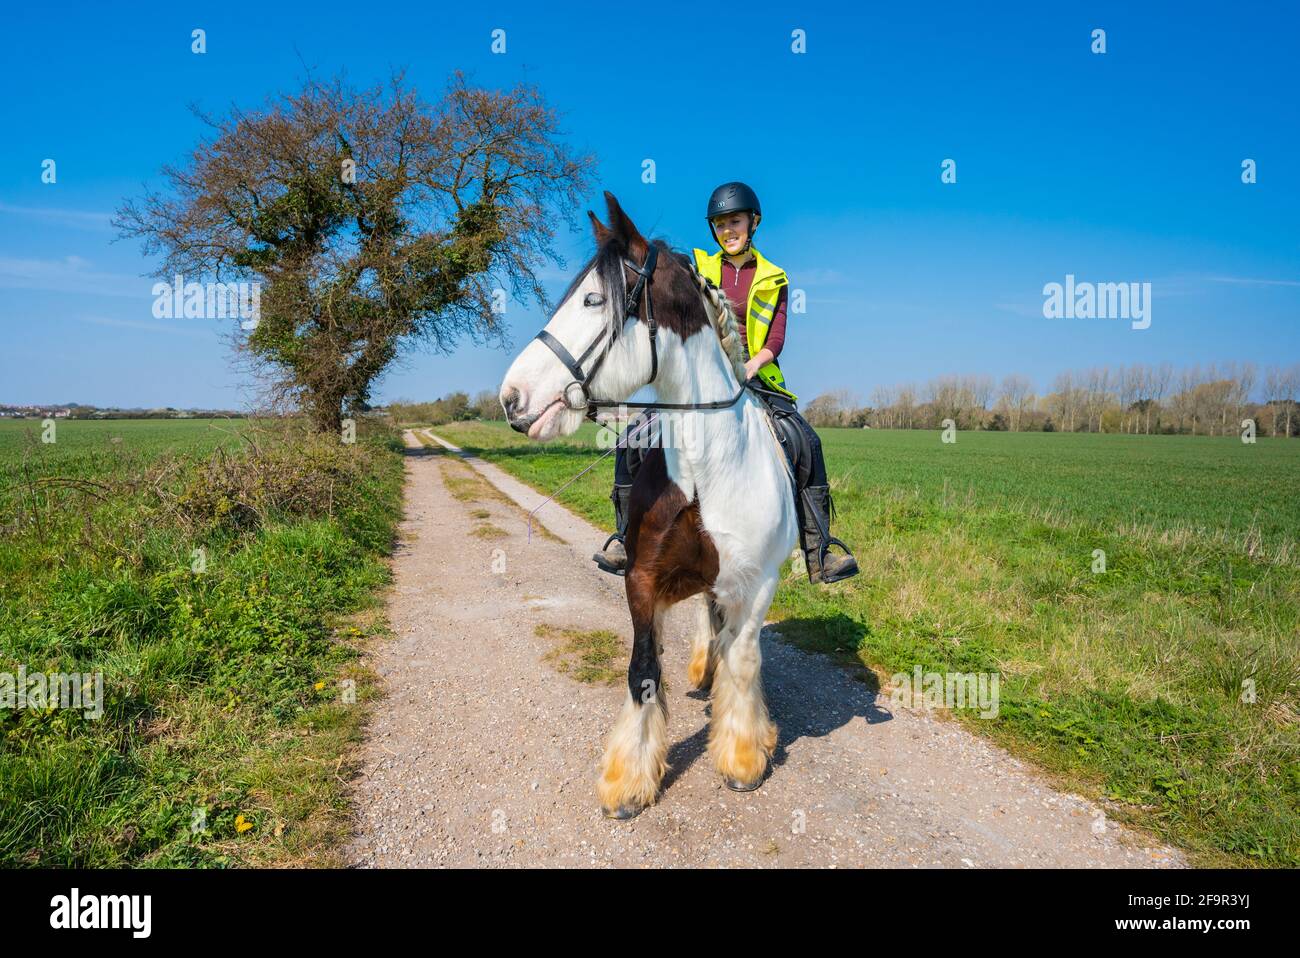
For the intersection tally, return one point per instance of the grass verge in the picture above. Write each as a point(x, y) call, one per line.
point(223, 582)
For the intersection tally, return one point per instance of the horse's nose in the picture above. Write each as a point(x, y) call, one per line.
point(511, 402)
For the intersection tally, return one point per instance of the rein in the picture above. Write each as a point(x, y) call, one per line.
point(623, 440)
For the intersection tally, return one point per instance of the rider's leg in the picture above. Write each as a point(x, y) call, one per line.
point(627, 460)
point(814, 503)
point(817, 506)
point(613, 556)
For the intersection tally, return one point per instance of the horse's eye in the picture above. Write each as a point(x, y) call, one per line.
point(593, 299)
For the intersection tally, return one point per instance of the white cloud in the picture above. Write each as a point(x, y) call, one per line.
point(82, 219)
point(203, 329)
point(72, 274)
point(1246, 281)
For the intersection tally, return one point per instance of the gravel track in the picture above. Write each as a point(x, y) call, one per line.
point(482, 754)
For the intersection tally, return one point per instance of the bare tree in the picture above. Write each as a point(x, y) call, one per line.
point(372, 220)
point(1273, 376)
point(487, 405)
point(945, 395)
point(1017, 396)
point(1183, 399)
point(1243, 383)
point(831, 409)
point(1290, 387)
point(907, 405)
point(1065, 400)
point(1096, 394)
point(980, 390)
point(883, 407)
point(1142, 385)
point(1210, 400)
point(1161, 376)
point(1126, 381)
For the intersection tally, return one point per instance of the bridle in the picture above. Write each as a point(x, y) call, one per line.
point(631, 311)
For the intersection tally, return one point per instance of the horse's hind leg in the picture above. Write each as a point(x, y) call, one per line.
point(741, 735)
point(636, 752)
point(704, 647)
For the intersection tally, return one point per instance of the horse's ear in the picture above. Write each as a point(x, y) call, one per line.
point(602, 232)
point(623, 227)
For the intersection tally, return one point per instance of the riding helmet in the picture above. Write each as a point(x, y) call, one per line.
point(734, 197)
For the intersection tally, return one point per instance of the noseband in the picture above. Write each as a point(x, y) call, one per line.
point(631, 310)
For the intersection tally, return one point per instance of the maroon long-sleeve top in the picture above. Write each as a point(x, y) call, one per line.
point(736, 283)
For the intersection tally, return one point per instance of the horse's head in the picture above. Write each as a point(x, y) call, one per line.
point(541, 394)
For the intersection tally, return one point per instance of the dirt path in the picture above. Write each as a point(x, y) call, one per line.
point(484, 754)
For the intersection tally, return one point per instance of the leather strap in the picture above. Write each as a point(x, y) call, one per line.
point(631, 310)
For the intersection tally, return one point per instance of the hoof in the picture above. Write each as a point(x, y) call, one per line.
point(704, 685)
point(738, 786)
point(623, 812)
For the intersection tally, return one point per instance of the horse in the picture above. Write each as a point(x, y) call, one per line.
point(714, 515)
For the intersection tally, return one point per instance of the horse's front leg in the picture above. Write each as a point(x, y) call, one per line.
point(742, 737)
point(636, 753)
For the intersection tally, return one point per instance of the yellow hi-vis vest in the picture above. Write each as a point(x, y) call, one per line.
point(763, 292)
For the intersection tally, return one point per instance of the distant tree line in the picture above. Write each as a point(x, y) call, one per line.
point(1140, 398)
point(80, 411)
point(1196, 400)
point(454, 407)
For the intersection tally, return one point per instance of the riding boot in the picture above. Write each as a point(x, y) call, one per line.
point(817, 539)
point(613, 554)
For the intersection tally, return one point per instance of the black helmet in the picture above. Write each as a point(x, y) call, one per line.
point(734, 197)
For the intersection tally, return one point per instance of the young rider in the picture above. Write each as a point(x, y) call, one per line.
point(757, 290)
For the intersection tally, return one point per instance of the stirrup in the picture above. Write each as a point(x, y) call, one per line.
point(825, 551)
point(603, 564)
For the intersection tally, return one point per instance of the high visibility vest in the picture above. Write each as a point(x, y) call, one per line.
point(763, 293)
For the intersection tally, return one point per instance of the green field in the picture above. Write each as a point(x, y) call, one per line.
point(78, 439)
point(1125, 685)
point(224, 730)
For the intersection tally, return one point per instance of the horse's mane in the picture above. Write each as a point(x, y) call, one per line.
point(699, 293)
point(723, 317)
point(608, 263)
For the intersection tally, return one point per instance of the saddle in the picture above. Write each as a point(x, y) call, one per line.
point(791, 434)
point(785, 423)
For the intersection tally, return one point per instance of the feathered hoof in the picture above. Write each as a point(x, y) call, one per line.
point(623, 813)
point(736, 785)
point(698, 674)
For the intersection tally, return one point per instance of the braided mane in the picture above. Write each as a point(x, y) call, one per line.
point(718, 306)
point(724, 321)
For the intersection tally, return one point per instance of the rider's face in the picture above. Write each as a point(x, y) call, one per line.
point(732, 230)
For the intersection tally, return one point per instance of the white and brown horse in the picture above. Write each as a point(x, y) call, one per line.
point(713, 515)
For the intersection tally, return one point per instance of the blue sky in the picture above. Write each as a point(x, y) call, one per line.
point(1117, 167)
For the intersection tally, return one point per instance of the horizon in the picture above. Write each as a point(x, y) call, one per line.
point(1176, 380)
